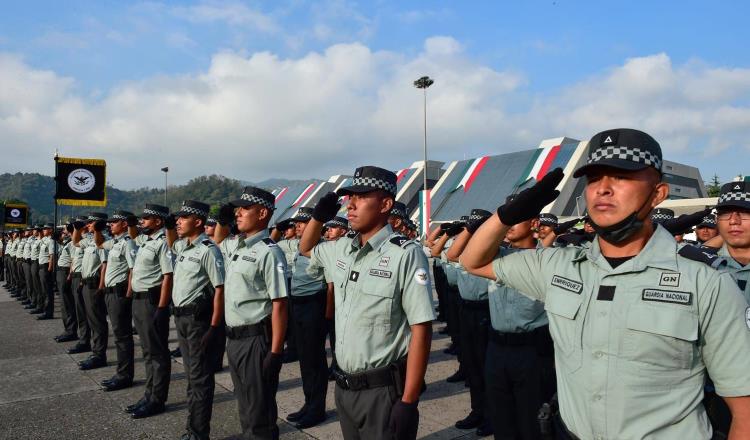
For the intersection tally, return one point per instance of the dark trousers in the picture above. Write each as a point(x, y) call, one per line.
point(120, 311)
point(21, 278)
point(365, 414)
point(154, 340)
point(256, 394)
point(474, 324)
point(96, 315)
point(514, 378)
point(199, 369)
point(47, 296)
point(453, 314)
point(37, 295)
point(68, 306)
point(440, 288)
point(84, 331)
point(29, 284)
point(308, 320)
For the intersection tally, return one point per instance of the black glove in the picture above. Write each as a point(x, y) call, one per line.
point(132, 221)
point(100, 225)
point(684, 222)
point(160, 315)
point(78, 224)
point(326, 208)
point(454, 229)
point(404, 420)
point(69, 227)
point(562, 228)
point(226, 215)
point(530, 202)
point(208, 338)
point(473, 225)
point(170, 221)
point(284, 225)
point(271, 366)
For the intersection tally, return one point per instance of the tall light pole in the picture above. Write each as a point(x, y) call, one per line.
point(166, 172)
point(423, 83)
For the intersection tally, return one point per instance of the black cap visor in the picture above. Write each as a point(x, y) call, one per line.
point(619, 164)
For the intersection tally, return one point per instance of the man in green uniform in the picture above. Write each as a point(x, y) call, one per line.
point(46, 280)
point(336, 228)
point(383, 309)
point(255, 310)
point(76, 287)
point(706, 229)
point(198, 297)
point(151, 288)
point(28, 279)
point(307, 320)
point(284, 233)
point(38, 295)
point(93, 265)
point(117, 298)
point(547, 225)
point(636, 326)
point(64, 285)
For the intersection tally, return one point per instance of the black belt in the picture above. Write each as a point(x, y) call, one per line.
point(375, 378)
point(63, 268)
point(476, 305)
point(307, 298)
point(186, 310)
point(76, 275)
point(246, 331)
point(119, 288)
point(148, 294)
point(527, 338)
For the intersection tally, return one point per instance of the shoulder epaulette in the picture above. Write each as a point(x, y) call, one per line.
point(703, 255)
point(351, 234)
point(269, 242)
point(208, 242)
point(399, 240)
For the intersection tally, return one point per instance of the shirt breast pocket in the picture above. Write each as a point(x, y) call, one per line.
point(566, 326)
point(376, 304)
point(253, 286)
point(660, 339)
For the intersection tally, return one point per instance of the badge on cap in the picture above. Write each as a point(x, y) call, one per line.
point(609, 138)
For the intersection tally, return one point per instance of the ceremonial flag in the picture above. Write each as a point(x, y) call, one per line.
point(540, 163)
point(400, 174)
point(282, 193)
point(80, 182)
point(16, 215)
point(424, 212)
point(470, 173)
point(304, 195)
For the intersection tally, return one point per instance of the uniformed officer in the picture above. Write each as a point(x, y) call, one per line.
point(636, 326)
point(198, 298)
point(151, 287)
point(383, 309)
point(284, 234)
point(706, 229)
point(547, 225)
point(398, 218)
point(46, 274)
point(76, 287)
point(28, 279)
point(336, 228)
point(733, 215)
point(93, 266)
point(661, 215)
point(38, 294)
point(117, 298)
point(63, 261)
point(474, 320)
point(307, 319)
point(210, 227)
point(255, 310)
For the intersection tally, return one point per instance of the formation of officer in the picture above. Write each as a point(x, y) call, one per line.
point(617, 307)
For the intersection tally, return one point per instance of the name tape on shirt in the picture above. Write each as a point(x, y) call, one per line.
point(566, 284)
point(340, 264)
point(667, 296)
point(380, 273)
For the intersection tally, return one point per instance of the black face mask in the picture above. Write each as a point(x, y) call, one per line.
point(623, 229)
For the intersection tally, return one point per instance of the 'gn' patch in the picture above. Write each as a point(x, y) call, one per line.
point(669, 279)
point(380, 273)
point(569, 285)
point(667, 296)
point(384, 261)
point(353, 276)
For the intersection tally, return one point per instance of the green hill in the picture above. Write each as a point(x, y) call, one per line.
point(37, 191)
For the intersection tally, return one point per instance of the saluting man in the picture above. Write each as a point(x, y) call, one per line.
point(76, 287)
point(255, 310)
point(636, 326)
point(46, 280)
point(198, 297)
point(383, 309)
point(64, 285)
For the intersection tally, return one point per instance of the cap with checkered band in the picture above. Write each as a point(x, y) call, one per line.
point(464, 218)
point(193, 207)
point(399, 210)
point(119, 215)
point(151, 210)
point(303, 215)
point(660, 215)
point(49, 226)
point(368, 179)
point(547, 219)
point(338, 222)
point(255, 196)
point(95, 216)
point(735, 195)
point(210, 221)
point(478, 214)
point(708, 221)
point(622, 148)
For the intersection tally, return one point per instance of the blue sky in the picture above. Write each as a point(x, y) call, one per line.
point(530, 55)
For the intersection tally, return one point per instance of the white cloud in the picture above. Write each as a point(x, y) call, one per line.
point(235, 14)
point(259, 116)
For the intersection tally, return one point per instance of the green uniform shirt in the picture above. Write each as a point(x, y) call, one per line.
point(510, 310)
point(45, 250)
point(64, 259)
point(119, 259)
point(255, 275)
point(304, 284)
point(451, 269)
point(740, 273)
point(36, 244)
point(76, 256)
point(198, 269)
point(152, 259)
point(27, 248)
point(633, 344)
point(471, 287)
point(289, 247)
point(229, 245)
point(92, 258)
point(381, 288)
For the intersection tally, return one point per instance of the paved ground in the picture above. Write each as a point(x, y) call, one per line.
point(43, 395)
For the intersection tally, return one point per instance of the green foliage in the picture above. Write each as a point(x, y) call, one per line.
point(714, 186)
point(37, 191)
